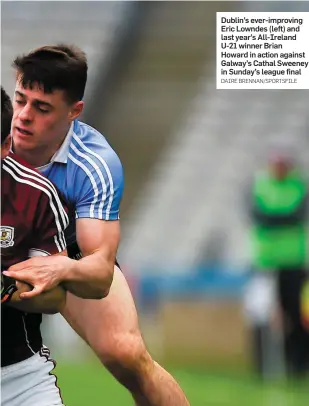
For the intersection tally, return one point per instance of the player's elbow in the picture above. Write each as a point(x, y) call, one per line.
point(101, 293)
point(103, 287)
point(99, 287)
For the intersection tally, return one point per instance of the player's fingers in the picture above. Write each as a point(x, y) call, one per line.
point(37, 290)
point(19, 266)
point(19, 276)
point(11, 274)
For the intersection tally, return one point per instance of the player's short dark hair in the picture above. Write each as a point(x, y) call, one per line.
point(6, 114)
point(57, 67)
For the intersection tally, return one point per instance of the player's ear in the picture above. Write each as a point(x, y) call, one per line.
point(76, 110)
point(6, 146)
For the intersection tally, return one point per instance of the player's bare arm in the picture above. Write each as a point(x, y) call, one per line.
point(50, 302)
point(92, 276)
point(88, 278)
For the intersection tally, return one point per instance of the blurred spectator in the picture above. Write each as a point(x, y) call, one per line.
point(279, 215)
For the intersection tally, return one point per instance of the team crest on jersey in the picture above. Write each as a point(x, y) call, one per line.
point(7, 236)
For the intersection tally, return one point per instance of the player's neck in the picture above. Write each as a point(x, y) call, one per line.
point(34, 158)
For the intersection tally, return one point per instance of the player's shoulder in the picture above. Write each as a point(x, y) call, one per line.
point(89, 150)
point(89, 141)
point(26, 176)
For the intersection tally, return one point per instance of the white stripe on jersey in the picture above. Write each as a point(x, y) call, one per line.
point(108, 172)
point(57, 243)
point(44, 181)
point(99, 173)
point(26, 335)
point(62, 245)
point(92, 180)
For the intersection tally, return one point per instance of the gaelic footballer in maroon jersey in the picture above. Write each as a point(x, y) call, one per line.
point(32, 216)
point(32, 223)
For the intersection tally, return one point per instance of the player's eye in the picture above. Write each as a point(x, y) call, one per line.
point(19, 101)
point(41, 110)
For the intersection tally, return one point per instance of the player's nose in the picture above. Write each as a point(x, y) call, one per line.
point(25, 113)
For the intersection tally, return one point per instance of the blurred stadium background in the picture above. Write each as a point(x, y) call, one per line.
point(188, 151)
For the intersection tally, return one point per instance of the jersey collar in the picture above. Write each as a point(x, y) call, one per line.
point(61, 155)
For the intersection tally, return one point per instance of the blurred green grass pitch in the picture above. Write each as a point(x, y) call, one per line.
point(88, 384)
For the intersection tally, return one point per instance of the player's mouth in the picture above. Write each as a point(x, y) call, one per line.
point(23, 132)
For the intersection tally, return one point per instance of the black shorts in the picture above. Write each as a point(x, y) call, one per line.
point(74, 252)
point(290, 283)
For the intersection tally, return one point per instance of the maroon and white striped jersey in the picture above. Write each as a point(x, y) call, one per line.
point(33, 220)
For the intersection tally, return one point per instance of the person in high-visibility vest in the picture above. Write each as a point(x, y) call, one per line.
point(279, 240)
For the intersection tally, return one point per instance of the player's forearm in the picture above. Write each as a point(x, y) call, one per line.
point(50, 302)
point(90, 277)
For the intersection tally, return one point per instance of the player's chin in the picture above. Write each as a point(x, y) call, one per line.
point(24, 141)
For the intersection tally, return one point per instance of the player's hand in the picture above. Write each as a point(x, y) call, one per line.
point(43, 273)
point(21, 288)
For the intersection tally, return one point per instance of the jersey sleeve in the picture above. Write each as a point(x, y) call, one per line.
point(99, 182)
point(52, 220)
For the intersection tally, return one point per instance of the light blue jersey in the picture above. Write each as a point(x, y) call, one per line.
point(88, 173)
